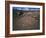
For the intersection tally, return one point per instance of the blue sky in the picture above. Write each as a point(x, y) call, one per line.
point(26, 9)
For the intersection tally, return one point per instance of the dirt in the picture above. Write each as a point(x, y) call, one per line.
point(25, 22)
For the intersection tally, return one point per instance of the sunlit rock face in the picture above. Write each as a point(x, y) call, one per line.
point(26, 21)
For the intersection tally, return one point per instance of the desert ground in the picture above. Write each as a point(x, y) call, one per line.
point(26, 21)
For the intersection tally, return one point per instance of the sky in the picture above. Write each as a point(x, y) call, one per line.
point(26, 9)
